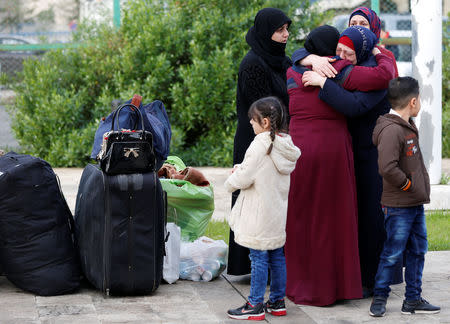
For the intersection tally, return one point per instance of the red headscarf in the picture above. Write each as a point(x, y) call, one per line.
point(372, 18)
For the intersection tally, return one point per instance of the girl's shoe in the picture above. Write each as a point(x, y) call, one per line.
point(248, 312)
point(277, 308)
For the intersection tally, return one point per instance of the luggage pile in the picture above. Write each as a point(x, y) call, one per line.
point(118, 236)
point(120, 212)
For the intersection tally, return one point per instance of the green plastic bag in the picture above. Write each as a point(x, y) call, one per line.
point(189, 206)
point(176, 162)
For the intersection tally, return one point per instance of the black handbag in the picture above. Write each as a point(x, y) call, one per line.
point(127, 150)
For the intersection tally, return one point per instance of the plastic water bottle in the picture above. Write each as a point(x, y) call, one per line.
point(187, 267)
point(194, 276)
point(207, 276)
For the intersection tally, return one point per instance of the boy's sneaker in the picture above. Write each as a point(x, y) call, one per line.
point(277, 308)
point(378, 306)
point(420, 306)
point(248, 312)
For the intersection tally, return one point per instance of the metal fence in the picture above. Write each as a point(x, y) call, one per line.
point(11, 63)
point(17, 47)
point(395, 24)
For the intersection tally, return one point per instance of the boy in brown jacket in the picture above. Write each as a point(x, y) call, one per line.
point(406, 188)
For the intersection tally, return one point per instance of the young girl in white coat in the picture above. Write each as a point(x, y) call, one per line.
point(258, 218)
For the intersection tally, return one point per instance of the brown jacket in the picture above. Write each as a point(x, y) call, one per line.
point(400, 163)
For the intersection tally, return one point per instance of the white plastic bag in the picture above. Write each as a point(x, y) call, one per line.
point(204, 259)
point(171, 265)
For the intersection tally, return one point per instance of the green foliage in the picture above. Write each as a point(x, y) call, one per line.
point(184, 53)
point(218, 231)
point(446, 89)
point(445, 179)
point(438, 228)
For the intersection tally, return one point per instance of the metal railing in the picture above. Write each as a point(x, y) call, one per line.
point(15, 48)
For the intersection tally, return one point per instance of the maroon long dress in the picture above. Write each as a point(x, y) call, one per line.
point(322, 232)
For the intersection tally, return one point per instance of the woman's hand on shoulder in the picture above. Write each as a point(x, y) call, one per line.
point(320, 64)
point(376, 51)
point(312, 78)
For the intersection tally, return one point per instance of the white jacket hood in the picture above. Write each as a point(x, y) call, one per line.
point(258, 217)
point(284, 153)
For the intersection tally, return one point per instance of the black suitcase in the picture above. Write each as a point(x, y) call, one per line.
point(37, 251)
point(119, 226)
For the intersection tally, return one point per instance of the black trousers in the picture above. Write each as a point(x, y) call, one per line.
point(238, 256)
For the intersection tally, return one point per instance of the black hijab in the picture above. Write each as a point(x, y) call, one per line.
point(259, 37)
point(322, 41)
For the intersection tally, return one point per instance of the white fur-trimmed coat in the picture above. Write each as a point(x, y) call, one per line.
point(258, 217)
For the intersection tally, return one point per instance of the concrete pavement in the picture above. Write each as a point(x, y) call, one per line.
point(188, 302)
point(70, 178)
point(207, 302)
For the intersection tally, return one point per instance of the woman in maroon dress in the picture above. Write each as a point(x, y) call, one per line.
point(322, 233)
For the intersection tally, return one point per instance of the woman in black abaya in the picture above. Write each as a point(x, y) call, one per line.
point(262, 73)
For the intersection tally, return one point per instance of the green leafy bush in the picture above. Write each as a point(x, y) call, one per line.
point(184, 53)
point(446, 89)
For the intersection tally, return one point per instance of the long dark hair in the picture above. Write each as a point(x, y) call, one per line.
point(273, 109)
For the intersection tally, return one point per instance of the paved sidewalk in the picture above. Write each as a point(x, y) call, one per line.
point(70, 178)
point(207, 302)
point(188, 302)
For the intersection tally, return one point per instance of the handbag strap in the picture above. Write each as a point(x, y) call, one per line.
point(134, 108)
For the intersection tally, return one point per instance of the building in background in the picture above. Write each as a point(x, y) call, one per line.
point(23, 16)
point(25, 24)
point(98, 10)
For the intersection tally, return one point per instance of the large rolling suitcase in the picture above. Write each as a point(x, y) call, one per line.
point(119, 226)
point(37, 252)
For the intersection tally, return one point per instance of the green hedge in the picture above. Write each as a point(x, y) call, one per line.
point(446, 89)
point(184, 53)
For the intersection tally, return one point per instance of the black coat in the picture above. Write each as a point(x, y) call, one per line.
point(256, 79)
